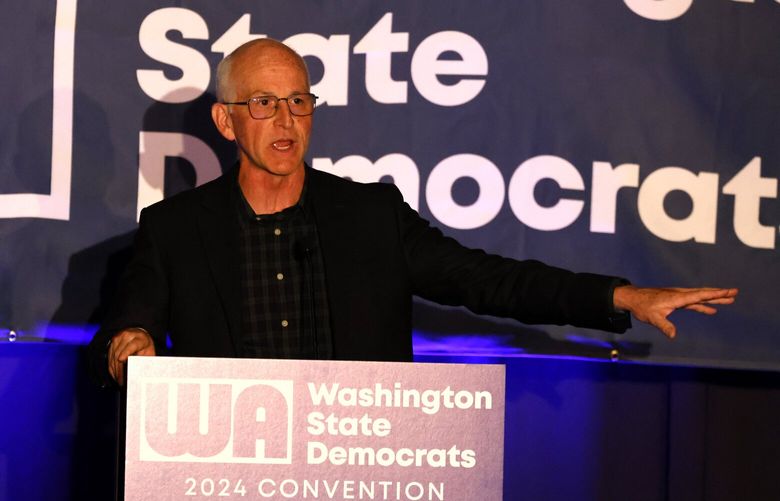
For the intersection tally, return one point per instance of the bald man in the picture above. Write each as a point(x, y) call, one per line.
point(276, 260)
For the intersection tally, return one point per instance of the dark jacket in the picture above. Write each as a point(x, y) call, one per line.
point(184, 277)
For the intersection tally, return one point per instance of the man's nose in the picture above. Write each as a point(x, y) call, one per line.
point(283, 116)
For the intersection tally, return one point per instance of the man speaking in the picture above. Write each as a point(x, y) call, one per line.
point(277, 260)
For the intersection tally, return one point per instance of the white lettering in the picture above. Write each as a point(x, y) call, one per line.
point(316, 453)
point(408, 491)
point(659, 10)
point(523, 201)
point(322, 393)
point(426, 67)
point(666, 10)
point(401, 168)
point(334, 54)
point(605, 184)
point(464, 400)
point(699, 225)
point(291, 490)
point(378, 45)
point(261, 488)
point(154, 147)
point(235, 36)
point(468, 459)
point(748, 188)
point(348, 426)
point(195, 68)
point(429, 401)
point(438, 192)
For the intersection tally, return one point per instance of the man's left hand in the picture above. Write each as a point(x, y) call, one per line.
point(653, 305)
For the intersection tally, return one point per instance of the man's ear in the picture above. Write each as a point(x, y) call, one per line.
point(223, 120)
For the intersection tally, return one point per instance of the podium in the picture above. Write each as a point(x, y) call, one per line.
point(289, 429)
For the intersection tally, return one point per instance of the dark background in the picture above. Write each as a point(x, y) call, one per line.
point(583, 80)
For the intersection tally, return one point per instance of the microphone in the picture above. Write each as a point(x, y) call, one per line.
point(304, 248)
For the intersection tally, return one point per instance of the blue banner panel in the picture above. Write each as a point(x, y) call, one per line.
point(627, 137)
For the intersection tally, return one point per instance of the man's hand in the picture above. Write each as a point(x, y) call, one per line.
point(128, 342)
point(654, 305)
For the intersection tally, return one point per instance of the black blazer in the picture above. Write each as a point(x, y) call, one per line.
point(184, 277)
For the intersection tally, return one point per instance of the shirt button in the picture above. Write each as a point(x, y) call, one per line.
point(277, 232)
point(285, 323)
point(280, 276)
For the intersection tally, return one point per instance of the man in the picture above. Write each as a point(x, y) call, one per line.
point(275, 259)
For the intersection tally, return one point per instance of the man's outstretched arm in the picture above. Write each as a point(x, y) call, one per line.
point(654, 305)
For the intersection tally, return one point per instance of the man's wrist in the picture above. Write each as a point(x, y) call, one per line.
point(619, 316)
point(618, 294)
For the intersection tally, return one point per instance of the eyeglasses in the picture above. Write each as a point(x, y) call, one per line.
point(262, 107)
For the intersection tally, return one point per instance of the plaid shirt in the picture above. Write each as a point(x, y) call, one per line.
point(284, 310)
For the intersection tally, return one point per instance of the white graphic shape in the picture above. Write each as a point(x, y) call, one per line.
point(55, 205)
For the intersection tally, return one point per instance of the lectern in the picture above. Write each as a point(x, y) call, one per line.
point(288, 429)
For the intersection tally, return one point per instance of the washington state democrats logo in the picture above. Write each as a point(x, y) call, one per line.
point(216, 421)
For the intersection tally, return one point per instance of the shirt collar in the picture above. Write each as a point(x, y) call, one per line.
point(246, 212)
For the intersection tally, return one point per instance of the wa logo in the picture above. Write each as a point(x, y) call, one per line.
point(223, 421)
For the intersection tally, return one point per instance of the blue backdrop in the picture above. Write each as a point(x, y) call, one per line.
point(629, 137)
point(633, 137)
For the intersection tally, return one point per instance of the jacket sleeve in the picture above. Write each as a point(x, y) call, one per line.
point(530, 291)
point(141, 301)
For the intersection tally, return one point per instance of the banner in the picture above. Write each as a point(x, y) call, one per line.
point(281, 429)
point(627, 137)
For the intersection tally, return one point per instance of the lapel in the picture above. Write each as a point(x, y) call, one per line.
point(220, 237)
point(332, 216)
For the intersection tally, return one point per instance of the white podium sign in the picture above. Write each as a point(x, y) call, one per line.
point(286, 429)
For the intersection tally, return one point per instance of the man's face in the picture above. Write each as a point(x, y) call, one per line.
point(278, 144)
